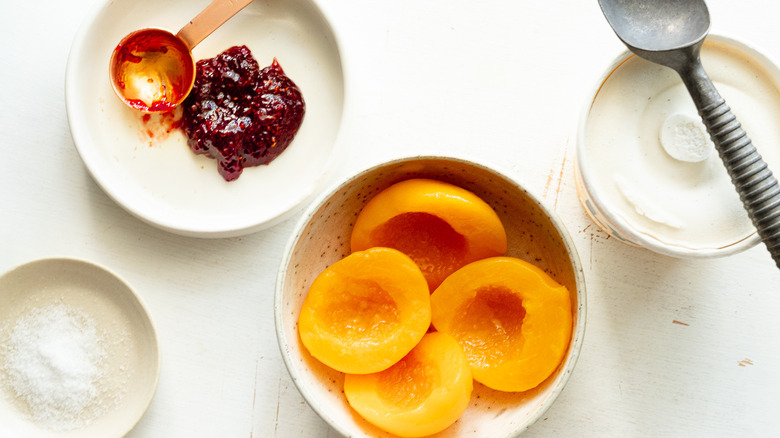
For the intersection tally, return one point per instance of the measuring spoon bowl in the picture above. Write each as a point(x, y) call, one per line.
point(153, 70)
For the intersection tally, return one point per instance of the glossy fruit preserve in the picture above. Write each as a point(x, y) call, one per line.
point(241, 115)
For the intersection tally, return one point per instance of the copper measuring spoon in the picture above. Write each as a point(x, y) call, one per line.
point(152, 70)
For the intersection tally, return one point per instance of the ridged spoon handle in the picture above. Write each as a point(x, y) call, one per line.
point(757, 187)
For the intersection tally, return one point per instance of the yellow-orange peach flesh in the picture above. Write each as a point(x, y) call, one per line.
point(365, 312)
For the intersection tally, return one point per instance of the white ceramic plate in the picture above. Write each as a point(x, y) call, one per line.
point(321, 237)
point(158, 178)
point(131, 360)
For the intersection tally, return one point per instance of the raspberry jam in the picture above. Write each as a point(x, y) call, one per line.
point(241, 115)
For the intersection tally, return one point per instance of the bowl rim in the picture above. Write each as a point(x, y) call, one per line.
point(567, 366)
point(203, 229)
point(619, 227)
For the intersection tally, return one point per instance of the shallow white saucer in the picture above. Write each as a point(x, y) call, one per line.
point(156, 177)
point(131, 367)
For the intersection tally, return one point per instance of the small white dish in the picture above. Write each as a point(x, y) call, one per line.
point(158, 178)
point(672, 195)
point(322, 237)
point(130, 364)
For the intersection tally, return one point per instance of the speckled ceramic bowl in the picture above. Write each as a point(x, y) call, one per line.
point(322, 237)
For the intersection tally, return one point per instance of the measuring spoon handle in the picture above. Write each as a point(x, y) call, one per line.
point(757, 187)
point(209, 19)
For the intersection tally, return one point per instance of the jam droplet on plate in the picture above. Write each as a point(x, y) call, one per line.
point(240, 115)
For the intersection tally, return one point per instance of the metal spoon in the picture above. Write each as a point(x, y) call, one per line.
point(152, 70)
point(671, 33)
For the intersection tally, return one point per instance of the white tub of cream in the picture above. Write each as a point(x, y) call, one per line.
point(647, 172)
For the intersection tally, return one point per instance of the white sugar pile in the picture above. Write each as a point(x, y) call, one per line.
point(54, 363)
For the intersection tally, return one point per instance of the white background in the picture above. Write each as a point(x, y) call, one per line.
point(672, 348)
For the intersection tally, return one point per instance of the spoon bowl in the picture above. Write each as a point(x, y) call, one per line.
point(152, 70)
point(663, 25)
point(671, 33)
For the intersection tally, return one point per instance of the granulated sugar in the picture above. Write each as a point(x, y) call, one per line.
point(54, 363)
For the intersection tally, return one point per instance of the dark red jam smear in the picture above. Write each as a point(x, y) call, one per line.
point(239, 114)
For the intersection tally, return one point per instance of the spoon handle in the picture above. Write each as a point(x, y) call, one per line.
point(209, 19)
point(757, 187)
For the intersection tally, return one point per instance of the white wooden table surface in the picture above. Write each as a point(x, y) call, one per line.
point(673, 347)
